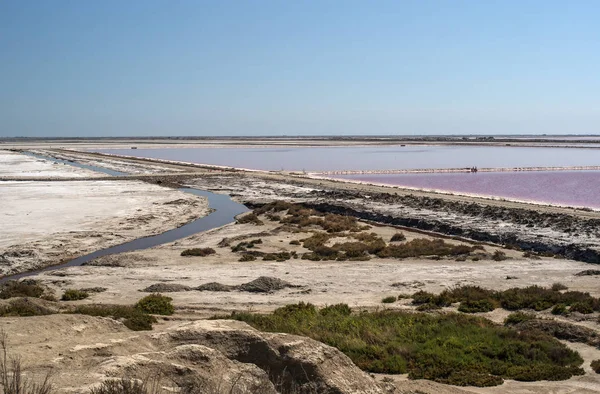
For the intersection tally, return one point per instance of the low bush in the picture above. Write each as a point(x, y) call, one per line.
point(428, 307)
point(424, 247)
point(560, 309)
point(499, 255)
point(389, 300)
point(427, 346)
point(595, 366)
point(518, 317)
point(476, 306)
point(294, 242)
point(133, 318)
point(247, 257)
point(156, 304)
point(24, 288)
point(337, 309)
point(558, 287)
point(24, 307)
point(74, 295)
point(280, 256)
point(398, 237)
point(582, 307)
point(200, 252)
point(250, 218)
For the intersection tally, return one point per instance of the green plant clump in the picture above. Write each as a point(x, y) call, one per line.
point(560, 309)
point(24, 288)
point(449, 348)
point(132, 318)
point(74, 295)
point(518, 317)
point(156, 304)
point(595, 366)
point(389, 300)
point(475, 306)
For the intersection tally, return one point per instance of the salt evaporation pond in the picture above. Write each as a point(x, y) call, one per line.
point(571, 188)
point(371, 157)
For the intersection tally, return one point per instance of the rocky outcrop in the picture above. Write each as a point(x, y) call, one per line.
point(295, 364)
point(205, 356)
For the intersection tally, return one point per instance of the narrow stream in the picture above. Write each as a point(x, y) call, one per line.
point(224, 212)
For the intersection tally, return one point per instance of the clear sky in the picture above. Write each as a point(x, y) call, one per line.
point(146, 67)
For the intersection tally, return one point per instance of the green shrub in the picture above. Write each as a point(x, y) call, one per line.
point(156, 304)
point(24, 288)
point(398, 237)
point(389, 299)
point(518, 317)
point(450, 348)
point(558, 287)
point(24, 307)
point(560, 309)
point(582, 307)
point(337, 309)
point(132, 318)
point(294, 242)
point(247, 257)
point(200, 252)
point(475, 306)
point(428, 307)
point(595, 366)
point(74, 295)
point(250, 218)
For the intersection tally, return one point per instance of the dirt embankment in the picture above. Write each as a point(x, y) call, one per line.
point(574, 235)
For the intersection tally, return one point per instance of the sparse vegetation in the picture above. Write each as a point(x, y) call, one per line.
point(12, 377)
point(499, 255)
point(595, 366)
point(23, 288)
point(250, 218)
point(156, 304)
point(133, 318)
point(74, 295)
point(426, 346)
point(389, 300)
point(247, 257)
point(518, 317)
point(560, 309)
point(476, 299)
point(558, 287)
point(200, 252)
point(398, 237)
point(24, 307)
point(424, 247)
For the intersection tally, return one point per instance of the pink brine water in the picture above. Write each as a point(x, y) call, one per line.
point(572, 188)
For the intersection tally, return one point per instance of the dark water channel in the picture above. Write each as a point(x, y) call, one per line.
point(224, 211)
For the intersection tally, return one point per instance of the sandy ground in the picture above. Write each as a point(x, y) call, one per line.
point(15, 164)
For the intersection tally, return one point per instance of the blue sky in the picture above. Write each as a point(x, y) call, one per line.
point(145, 67)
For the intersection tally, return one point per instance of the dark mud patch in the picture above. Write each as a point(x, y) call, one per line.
point(166, 288)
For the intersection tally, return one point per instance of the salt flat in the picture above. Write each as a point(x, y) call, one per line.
point(16, 164)
point(46, 222)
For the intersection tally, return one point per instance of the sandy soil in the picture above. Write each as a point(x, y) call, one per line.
point(15, 164)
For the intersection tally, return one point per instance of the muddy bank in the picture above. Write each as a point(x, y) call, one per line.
point(573, 235)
